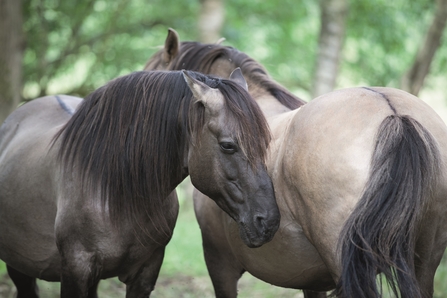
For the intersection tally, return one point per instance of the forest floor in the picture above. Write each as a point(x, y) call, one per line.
point(167, 287)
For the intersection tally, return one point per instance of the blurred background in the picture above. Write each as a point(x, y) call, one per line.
point(311, 47)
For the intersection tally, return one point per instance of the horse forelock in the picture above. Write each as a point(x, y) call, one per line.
point(244, 119)
point(253, 133)
point(127, 141)
point(201, 57)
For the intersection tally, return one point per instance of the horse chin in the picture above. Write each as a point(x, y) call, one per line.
point(251, 239)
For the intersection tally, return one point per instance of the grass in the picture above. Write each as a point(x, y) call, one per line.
point(184, 273)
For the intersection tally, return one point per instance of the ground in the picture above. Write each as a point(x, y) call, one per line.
point(167, 287)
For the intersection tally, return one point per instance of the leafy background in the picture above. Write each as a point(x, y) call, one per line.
point(74, 47)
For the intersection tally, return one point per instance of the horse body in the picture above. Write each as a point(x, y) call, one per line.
point(67, 210)
point(56, 209)
point(308, 169)
point(354, 164)
point(35, 191)
point(334, 137)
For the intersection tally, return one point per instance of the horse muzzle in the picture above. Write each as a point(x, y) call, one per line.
point(260, 228)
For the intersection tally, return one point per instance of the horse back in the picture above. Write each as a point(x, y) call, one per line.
point(37, 116)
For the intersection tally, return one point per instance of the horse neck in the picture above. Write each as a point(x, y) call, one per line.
point(269, 105)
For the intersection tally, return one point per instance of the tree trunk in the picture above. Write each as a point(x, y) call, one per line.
point(413, 80)
point(211, 20)
point(11, 54)
point(332, 35)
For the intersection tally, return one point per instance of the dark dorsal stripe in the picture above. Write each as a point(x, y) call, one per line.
point(64, 106)
point(384, 96)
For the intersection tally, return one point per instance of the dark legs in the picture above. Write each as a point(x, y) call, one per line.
point(26, 285)
point(143, 284)
point(80, 275)
point(72, 285)
point(223, 269)
point(426, 269)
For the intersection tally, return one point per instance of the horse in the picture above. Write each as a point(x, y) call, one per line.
point(360, 179)
point(87, 186)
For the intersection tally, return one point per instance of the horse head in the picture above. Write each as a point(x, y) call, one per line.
point(226, 159)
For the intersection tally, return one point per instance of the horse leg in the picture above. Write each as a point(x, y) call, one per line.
point(143, 283)
point(80, 274)
point(223, 269)
point(429, 252)
point(26, 285)
point(425, 276)
point(93, 290)
point(313, 294)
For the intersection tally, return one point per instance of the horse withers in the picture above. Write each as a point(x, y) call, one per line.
point(360, 178)
point(87, 186)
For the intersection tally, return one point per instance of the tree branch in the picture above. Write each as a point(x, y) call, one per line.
point(413, 79)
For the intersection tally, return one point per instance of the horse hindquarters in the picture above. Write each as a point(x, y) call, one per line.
point(380, 234)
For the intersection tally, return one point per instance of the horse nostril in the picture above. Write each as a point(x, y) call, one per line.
point(260, 220)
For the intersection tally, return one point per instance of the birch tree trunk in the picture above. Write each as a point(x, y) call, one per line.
point(330, 45)
point(413, 80)
point(211, 20)
point(11, 54)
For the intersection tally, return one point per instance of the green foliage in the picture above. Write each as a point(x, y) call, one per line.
point(76, 46)
point(281, 37)
point(382, 39)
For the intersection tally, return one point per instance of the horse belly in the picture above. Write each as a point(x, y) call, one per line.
point(289, 260)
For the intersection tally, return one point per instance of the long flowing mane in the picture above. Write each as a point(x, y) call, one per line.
point(200, 57)
point(127, 139)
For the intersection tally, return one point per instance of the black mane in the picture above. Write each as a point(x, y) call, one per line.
point(127, 139)
point(200, 57)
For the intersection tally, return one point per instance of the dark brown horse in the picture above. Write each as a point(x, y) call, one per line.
point(360, 179)
point(87, 187)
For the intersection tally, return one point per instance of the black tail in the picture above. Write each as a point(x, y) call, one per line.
point(380, 234)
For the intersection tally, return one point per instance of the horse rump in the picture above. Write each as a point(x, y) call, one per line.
point(380, 234)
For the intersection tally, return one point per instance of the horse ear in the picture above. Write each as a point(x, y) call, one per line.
point(198, 88)
point(220, 40)
point(202, 93)
point(238, 77)
point(172, 46)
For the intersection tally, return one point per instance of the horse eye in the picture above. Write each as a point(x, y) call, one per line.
point(228, 147)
